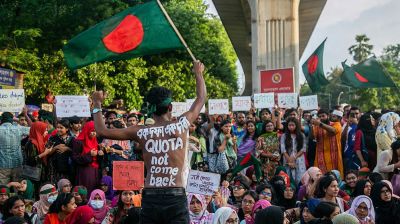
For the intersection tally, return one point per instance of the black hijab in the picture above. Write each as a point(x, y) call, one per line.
point(368, 131)
point(386, 211)
point(359, 189)
point(271, 215)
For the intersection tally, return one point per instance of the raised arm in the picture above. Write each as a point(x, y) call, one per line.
point(201, 92)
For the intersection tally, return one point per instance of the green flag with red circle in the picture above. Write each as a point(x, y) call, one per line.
point(313, 69)
point(134, 32)
point(366, 74)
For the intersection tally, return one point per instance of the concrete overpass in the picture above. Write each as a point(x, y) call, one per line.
point(268, 34)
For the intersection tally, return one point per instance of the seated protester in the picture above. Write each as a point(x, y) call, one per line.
point(307, 211)
point(271, 215)
point(240, 186)
point(365, 143)
point(391, 188)
point(133, 216)
point(63, 206)
point(345, 219)
point(26, 190)
point(80, 195)
point(388, 162)
point(225, 215)
point(116, 214)
point(251, 174)
point(98, 203)
point(64, 186)
point(351, 180)
point(286, 197)
point(328, 190)
point(4, 195)
point(327, 210)
point(342, 194)
point(266, 192)
point(309, 182)
point(15, 220)
point(81, 215)
point(363, 187)
point(258, 206)
point(249, 199)
point(60, 161)
point(363, 209)
point(47, 194)
point(375, 178)
point(15, 206)
point(198, 209)
point(107, 186)
point(387, 208)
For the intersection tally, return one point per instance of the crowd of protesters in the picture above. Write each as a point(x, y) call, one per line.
point(324, 166)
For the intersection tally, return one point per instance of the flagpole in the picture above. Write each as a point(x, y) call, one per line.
point(176, 31)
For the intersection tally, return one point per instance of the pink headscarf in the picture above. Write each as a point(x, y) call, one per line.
point(99, 214)
point(391, 188)
point(260, 204)
point(310, 174)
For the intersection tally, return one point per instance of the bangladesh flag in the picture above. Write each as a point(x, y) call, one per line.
point(313, 69)
point(366, 74)
point(248, 160)
point(134, 32)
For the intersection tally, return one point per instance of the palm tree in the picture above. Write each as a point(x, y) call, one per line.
point(362, 49)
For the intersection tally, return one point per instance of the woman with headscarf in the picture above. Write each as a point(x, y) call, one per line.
point(385, 132)
point(387, 208)
point(307, 210)
point(271, 215)
point(258, 206)
point(81, 215)
point(98, 203)
point(363, 209)
point(48, 194)
point(309, 182)
point(365, 143)
point(64, 186)
point(86, 154)
point(344, 219)
point(80, 194)
point(225, 215)
point(198, 209)
point(106, 186)
point(363, 187)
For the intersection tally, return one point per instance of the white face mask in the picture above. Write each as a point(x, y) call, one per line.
point(97, 204)
point(52, 198)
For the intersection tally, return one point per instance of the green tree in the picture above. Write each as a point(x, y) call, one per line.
point(362, 49)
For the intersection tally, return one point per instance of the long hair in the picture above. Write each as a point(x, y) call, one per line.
point(288, 137)
point(62, 200)
point(323, 184)
point(247, 135)
point(264, 125)
point(9, 204)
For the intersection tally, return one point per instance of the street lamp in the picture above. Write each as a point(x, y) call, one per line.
point(338, 98)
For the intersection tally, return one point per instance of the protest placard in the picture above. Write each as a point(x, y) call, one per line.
point(128, 175)
point(69, 106)
point(309, 102)
point(12, 100)
point(178, 108)
point(264, 100)
point(218, 106)
point(241, 103)
point(47, 107)
point(287, 100)
point(191, 101)
point(204, 183)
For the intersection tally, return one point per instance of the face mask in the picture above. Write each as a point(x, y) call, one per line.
point(51, 199)
point(97, 204)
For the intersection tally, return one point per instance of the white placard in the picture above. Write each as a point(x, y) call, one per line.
point(218, 106)
point(204, 183)
point(309, 102)
point(287, 100)
point(178, 108)
point(241, 103)
point(69, 106)
point(191, 101)
point(264, 100)
point(12, 100)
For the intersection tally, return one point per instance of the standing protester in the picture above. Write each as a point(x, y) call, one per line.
point(386, 131)
point(164, 191)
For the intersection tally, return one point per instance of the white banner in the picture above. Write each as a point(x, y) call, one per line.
point(241, 103)
point(287, 100)
point(218, 106)
point(69, 106)
point(204, 183)
point(264, 100)
point(178, 108)
point(191, 101)
point(309, 102)
point(12, 100)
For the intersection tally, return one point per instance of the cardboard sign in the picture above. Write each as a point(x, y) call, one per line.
point(12, 100)
point(218, 106)
point(264, 100)
point(287, 100)
point(204, 183)
point(241, 103)
point(191, 101)
point(128, 175)
point(47, 107)
point(178, 108)
point(309, 102)
point(277, 81)
point(69, 106)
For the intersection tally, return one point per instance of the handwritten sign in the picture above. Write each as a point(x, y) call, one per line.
point(204, 183)
point(191, 101)
point(241, 103)
point(178, 108)
point(264, 100)
point(128, 175)
point(287, 100)
point(12, 100)
point(47, 107)
point(309, 102)
point(218, 106)
point(69, 106)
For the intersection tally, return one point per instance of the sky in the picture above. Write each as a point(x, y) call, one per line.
point(342, 20)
